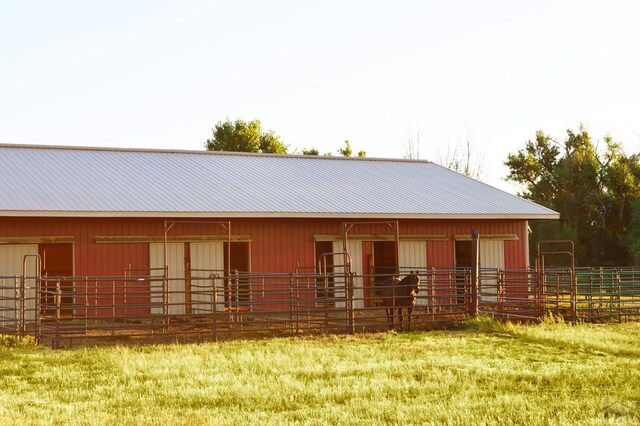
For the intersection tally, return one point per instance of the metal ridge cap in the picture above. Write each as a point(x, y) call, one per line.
point(204, 152)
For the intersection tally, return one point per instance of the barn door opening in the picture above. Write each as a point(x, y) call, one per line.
point(384, 260)
point(384, 263)
point(240, 262)
point(57, 264)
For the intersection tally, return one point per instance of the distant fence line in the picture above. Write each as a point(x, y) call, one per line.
point(211, 305)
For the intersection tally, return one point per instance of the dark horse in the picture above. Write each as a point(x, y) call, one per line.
point(398, 294)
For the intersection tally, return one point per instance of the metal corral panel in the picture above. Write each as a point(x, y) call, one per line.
point(355, 255)
point(56, 181)
point(491, 256)
point(12, 259)
point(175, 262)
point(207, 268)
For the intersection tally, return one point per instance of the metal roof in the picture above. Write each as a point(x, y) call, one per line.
point(72, 181)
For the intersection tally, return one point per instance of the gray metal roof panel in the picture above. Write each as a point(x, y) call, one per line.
point(58, 180)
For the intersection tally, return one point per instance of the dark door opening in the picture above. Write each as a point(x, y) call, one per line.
point(57, 261)
point(384, 259)
point(384, 263)
point(240, 261)
point(463, 267)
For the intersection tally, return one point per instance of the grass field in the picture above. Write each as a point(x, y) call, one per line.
point(485, 373)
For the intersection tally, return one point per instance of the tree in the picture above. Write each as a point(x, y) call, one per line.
point(463, 159)
point(241, 136)
point(594, 192)
point(310, 151)
point(347, 151)
point(412, 146)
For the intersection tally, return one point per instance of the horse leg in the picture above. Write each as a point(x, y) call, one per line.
point(400, 317)
point(390, 321)
point(409, 312)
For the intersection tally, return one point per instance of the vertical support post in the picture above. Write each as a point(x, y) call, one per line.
point(19, 304)
point(291, 314)
point(619, 294)
point(325, 282)
point(475, 271)
point(113, 307)
point(86, 305)
point(165, 281)
point(573, 292)
point(235, 288)
point(432, 293)
point(58, 298)
point(37, 308)
point(541, 291)
point(501, 290)
point(350, 293)
point(215, 306)
point(397, 240)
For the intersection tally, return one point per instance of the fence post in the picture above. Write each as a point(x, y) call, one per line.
point(113, 307)
point(475, 270)
point(165, 298)
point(574, 293)
point(501, 290)
point(291, 314)
point(215, 306)
point(619, 288)
point(58, 298)
point(350, 301)
point(37, 309)
point(20, 309)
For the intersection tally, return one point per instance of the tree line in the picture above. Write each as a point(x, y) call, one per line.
point(243, 136)
point(596, 190)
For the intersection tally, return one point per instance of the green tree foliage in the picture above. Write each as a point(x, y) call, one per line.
point(596, 193)
point(240, 136)
point(346, 151)
point(310, 151)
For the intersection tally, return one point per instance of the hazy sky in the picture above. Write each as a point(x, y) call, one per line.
point(161, 74)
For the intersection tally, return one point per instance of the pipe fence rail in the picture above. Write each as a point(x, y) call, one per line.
point(149, 306)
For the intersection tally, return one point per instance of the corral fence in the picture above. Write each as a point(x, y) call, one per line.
point(211, 305)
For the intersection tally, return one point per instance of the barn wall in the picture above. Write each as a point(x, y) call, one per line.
point(277, 245)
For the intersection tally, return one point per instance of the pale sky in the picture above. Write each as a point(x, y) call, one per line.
point(161, 74)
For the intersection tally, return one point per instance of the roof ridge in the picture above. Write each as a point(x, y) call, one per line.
point(203, 152)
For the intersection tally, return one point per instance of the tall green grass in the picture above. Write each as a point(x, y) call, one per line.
point(485, 373)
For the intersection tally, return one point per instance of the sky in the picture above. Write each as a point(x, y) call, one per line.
point(161, 74)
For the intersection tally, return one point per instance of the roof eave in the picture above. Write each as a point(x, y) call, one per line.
point(310, 215)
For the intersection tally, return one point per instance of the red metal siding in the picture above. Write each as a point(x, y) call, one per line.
point(278, 245)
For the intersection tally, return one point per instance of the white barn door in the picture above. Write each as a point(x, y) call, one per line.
point(206, 259)
point(491, 257)
point(11, 262)
point(413, 255)
point(354, 248)
point(175, 261)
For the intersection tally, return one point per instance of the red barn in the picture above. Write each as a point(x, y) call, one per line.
point(100, 212)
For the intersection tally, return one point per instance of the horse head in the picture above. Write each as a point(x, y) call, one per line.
point(412, 282)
